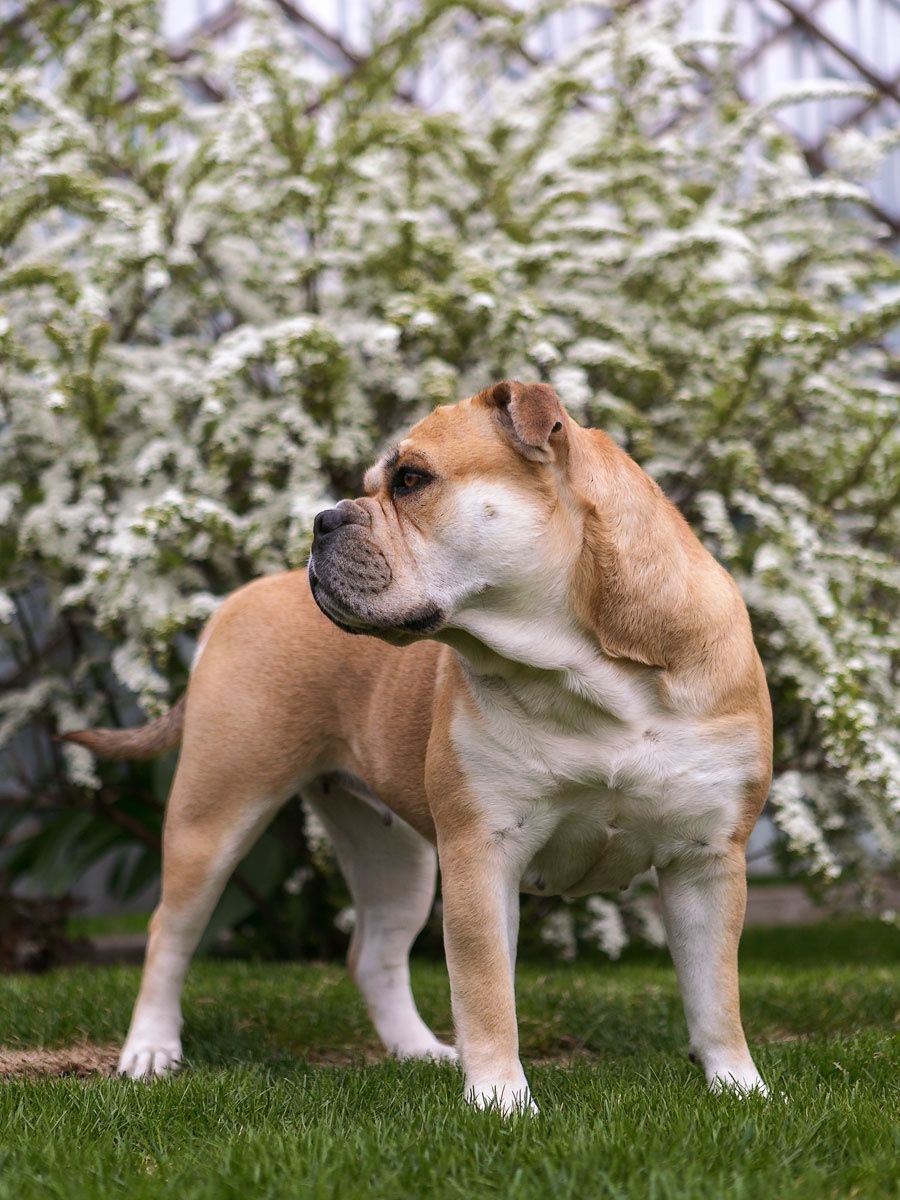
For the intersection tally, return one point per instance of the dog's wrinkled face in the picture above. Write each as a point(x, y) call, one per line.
point(464, 513)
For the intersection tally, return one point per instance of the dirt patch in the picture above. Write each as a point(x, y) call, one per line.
point(83, 1062)
point(87, 1061)
point(779, 1036)
point(570, 1059)
point(364, 1056)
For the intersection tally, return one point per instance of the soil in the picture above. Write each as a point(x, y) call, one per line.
point(83, 1061)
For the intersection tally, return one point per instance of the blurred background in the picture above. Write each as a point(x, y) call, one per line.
point(242, 244)
point(777, 42)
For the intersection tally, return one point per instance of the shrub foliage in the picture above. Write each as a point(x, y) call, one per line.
point(225, 282)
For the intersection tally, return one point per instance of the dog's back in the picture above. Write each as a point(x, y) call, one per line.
point(298, 698)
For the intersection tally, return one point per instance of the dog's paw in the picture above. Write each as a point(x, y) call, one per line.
point(142, 1058)
point(503, 1096)
point(433, 1051)
point(741, 1083)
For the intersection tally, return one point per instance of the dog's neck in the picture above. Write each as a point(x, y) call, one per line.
point(619, 608)
point(531, 658)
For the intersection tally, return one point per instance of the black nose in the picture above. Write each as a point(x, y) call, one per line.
point(330, 519)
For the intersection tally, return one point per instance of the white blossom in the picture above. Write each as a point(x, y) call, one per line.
point(7, 607)
point(605, 928)
point(191, 369)
point(558, 931)
point(345, 920)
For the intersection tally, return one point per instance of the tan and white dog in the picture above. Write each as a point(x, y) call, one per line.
point(559, 689)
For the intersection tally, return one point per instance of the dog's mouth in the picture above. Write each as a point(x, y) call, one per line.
point(329, 606)
point(427, 620)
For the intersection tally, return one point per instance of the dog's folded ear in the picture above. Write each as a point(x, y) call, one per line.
point(532, 413)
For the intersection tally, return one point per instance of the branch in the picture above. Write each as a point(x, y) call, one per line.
point(298, 17)
point(23, 670)
point(862, 465)
point(802, 18)
point(772, 38)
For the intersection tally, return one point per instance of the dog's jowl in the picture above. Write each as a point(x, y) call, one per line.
point(549, 680)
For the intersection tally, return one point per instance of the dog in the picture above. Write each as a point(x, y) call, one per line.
point(512, 648)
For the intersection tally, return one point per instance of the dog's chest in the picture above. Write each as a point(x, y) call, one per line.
point(587, 799)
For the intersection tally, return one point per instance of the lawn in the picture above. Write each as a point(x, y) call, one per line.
point(283, 1098)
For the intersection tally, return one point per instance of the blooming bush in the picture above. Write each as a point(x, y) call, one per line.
point(212, 313)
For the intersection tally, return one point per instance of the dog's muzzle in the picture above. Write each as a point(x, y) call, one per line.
point(348, 574)
point(346, 570)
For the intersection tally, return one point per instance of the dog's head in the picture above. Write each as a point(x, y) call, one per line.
point(469, 511)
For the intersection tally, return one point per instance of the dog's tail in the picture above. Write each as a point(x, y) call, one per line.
point(147, 741)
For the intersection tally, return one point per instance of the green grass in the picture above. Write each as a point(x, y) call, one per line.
point(116, 923)
point(623, 1113)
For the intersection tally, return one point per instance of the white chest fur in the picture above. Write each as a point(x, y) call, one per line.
point(587, 782)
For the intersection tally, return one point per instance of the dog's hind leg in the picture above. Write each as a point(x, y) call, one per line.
point(703, 909)
point(390, 870)
point(214, 815)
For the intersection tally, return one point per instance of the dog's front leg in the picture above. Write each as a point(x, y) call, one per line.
point(703, 910)
point(480, 892)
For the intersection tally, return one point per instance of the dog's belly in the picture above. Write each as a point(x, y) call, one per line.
point(588, 851)
point(596, 840)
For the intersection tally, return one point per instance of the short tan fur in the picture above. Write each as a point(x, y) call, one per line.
point(550, 680)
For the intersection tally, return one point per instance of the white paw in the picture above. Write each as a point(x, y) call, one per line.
point(503, 1096)
point(434, 1050)
point(144, 1058)
point(742, 1083)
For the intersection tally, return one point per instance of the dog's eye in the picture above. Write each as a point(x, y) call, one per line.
point(407, 480)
